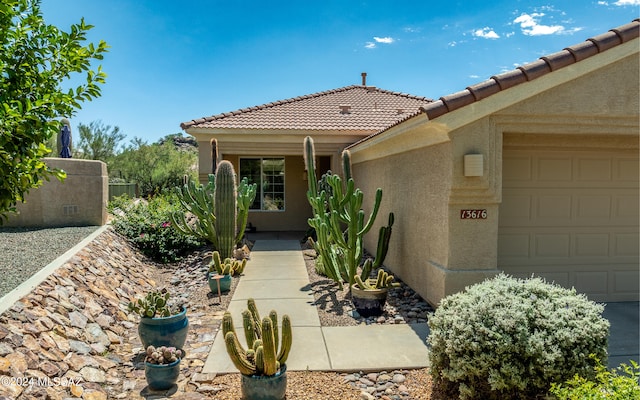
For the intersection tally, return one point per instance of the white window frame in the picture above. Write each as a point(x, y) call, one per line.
point(259, 193)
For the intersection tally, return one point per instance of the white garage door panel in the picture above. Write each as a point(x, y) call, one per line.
point(572, 217)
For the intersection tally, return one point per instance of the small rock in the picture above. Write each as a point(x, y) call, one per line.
point(77, 319)
point(366, 396)
point(77, 346)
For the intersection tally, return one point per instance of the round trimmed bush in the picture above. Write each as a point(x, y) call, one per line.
point(511, 338)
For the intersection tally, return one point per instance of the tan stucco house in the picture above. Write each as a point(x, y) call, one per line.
point(534, 171)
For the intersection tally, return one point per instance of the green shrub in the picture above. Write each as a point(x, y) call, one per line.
point(618, 384)
point(147, 225)
point(511, 338)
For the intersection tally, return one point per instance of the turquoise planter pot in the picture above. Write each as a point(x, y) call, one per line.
point(255, 387)
point(166, 331)
point(225, 284)
point(162, 377)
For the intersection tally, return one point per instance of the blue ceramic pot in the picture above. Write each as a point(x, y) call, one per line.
point(162, 377)
point(165, 331)
point(225, 283)
point(257, 387)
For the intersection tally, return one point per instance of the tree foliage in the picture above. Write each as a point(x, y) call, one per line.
point(154, 166)
point(36, 59)
point(98, 142)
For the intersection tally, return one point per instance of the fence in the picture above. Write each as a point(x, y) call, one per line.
point(118, 189)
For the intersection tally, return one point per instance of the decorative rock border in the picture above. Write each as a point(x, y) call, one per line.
point(72, 337)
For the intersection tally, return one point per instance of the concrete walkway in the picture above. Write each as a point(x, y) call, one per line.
point(276, 277)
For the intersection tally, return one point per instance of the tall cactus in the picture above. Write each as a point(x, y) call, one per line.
point(214, 155)
point(264, 355)
point(225, 208)
point(198, 200)
point(221, 208)
point(246, 195)
point(342, 250)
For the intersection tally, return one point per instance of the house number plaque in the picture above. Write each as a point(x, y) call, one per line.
point(473, 214)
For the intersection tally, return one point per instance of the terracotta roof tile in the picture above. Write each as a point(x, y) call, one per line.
point(583, 50)
point(371, 109)
point(435, 109)
point(484, 89)
point(606, 40)
point(510, 78)
point(459, 99)
point(559, 60)
point(535, 69)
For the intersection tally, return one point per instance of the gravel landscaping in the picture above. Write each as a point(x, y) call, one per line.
point(25, 251)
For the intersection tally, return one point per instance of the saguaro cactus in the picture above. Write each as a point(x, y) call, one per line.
point(264, 354)
point(225, 208)
point(342, 251)
point(220, 208)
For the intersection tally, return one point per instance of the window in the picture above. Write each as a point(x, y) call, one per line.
point(268, 173)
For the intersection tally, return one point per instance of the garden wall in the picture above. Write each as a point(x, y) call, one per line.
point(78, 201)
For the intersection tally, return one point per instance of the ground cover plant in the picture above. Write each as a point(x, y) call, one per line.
point(147, 224)
point(618, 384)
point(511, 338)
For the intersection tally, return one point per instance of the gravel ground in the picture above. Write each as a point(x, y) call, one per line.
point(25, 251)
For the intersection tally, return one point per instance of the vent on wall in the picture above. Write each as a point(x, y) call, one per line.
point(69, 210)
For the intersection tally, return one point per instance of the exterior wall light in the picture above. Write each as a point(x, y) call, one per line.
point(473, 165)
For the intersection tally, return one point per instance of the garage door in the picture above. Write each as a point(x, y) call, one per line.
point(572, 217)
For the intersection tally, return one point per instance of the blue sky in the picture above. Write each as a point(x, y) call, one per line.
point(171, 61)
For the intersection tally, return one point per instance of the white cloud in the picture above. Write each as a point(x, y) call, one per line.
point(386, 40)
point(486, 33)
point(627, 3)
point(374, 44)
point(603, 3)
point(531, 26)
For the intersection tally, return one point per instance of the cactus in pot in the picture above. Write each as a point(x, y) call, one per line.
point(162, 355)
point(162, 322)
point(266, 351)
point(383, 281)
point(228, 266)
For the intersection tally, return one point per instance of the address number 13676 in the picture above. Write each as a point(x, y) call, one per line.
point(473, 214)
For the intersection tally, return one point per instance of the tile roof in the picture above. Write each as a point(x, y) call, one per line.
point(351, 108)
point(377, 110)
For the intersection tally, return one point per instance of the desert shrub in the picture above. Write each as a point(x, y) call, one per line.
point(147, 224)
point(618, 384)
point(511, 338)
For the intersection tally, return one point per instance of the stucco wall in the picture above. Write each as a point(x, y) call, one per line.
point(80, 200)
point(415, 188)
